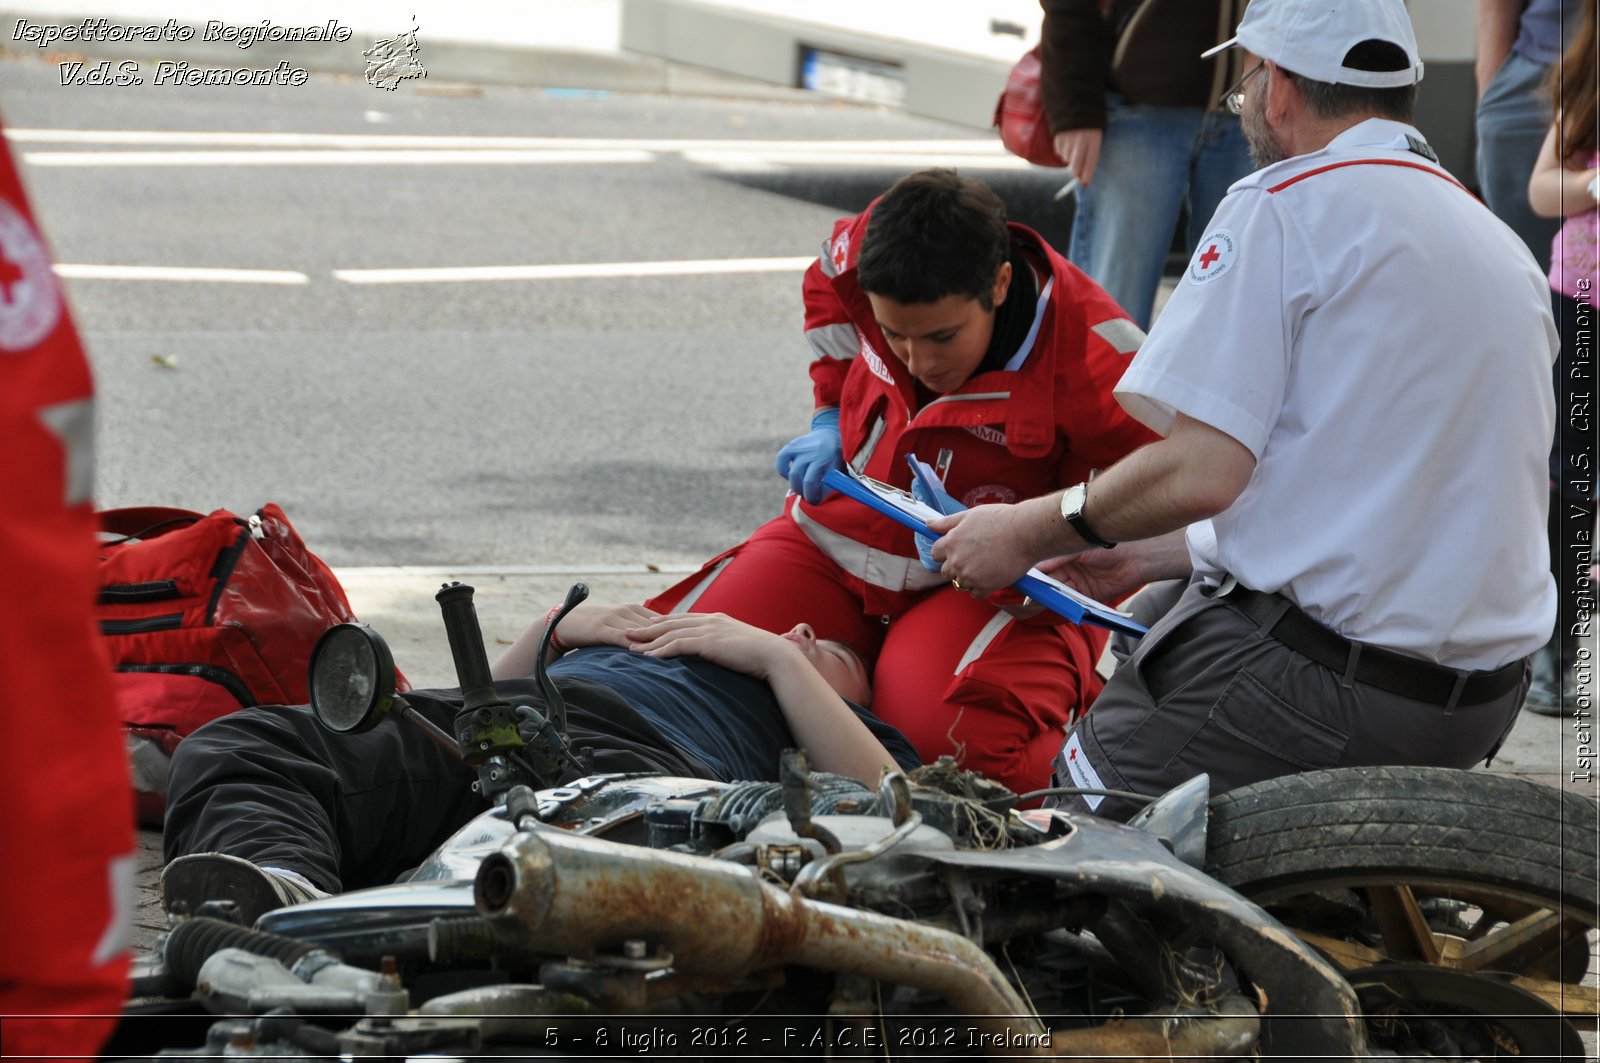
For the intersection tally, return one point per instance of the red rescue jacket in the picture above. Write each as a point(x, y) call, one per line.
point(1043, 422)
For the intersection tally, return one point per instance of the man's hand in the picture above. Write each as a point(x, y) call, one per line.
point(597, 624)
point(989, 547)
point(807, 459)
point(589, 624)
point(1104, 575)
point(1080, 150)
point(1107, 575)
point(735, 645)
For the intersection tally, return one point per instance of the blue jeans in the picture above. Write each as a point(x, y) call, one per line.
point(1154, 161)
point(1513, 117)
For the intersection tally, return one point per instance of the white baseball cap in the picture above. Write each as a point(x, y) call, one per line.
point(1313, 38)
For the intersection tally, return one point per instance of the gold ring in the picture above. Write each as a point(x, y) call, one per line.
point(956, 583)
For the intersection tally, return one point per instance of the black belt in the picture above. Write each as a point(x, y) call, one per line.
point(1410, 677)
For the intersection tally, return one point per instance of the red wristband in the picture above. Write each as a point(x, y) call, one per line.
point(549, 618)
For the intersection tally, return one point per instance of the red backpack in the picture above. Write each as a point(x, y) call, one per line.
point(1019, 114)
point(203, 616)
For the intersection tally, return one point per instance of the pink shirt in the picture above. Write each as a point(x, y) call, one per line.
point(1573, 252)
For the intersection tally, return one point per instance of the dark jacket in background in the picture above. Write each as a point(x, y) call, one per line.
point(1146, 50)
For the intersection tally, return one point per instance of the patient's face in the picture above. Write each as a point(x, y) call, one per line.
point(836, 662)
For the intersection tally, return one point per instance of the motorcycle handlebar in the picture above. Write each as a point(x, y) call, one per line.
point(466, 643)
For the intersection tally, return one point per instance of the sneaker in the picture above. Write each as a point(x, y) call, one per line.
point(190, 881)
point(1544, 693)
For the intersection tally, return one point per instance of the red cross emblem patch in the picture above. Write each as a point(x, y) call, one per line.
point(30, 302)
point(1213, 255)
point(1079, 770)
point(989, 494)
point(841, 253)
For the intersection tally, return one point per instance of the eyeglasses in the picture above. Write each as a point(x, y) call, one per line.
point(1233, 99)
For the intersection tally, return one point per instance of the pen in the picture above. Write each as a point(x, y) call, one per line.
point(941, 467)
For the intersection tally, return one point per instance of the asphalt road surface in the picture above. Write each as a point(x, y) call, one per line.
point(544, 419)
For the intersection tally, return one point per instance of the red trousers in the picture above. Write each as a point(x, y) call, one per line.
point(955, 675)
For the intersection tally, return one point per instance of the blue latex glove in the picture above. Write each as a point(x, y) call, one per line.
point(807, 459)
point(944, 504)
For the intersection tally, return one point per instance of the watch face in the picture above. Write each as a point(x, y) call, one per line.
point(1072, 501)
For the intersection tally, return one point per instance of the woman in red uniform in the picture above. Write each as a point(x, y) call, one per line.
point(939, 329)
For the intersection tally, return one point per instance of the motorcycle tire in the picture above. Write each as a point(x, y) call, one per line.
point(1439, 892)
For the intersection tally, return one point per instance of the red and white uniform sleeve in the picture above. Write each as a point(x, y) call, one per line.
point(830, 332)
point(68, 893)
point(1232, 378)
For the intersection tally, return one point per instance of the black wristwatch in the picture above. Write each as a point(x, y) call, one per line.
point(1072, 502)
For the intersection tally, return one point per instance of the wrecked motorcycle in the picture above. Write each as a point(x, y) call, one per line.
point(1354, 913)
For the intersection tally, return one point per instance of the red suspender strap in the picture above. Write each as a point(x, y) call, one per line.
point(1370, 162)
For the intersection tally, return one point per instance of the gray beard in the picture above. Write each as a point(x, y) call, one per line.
point(1264, 147)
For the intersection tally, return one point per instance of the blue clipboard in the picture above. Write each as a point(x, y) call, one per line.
point(1054, 595)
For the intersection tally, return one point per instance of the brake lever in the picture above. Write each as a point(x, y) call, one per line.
point(551, 725)
point(576, 595)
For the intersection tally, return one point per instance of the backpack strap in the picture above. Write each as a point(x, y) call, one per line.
point(143, 522)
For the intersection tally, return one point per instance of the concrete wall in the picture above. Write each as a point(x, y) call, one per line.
point(755, 39)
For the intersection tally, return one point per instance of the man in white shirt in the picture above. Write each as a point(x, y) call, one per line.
point(1352, 379)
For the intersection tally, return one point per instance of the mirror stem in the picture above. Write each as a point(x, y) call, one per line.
point(440, 737)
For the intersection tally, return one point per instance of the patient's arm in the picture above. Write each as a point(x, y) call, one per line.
point(833, 737)
point(589, 624)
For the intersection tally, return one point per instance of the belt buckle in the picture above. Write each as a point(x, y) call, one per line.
point(1228, 586)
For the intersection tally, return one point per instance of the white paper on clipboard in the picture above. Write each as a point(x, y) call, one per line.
point(1049, 592)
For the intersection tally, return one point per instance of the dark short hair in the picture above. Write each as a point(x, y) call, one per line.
point(1330, 100)
point(935, 233)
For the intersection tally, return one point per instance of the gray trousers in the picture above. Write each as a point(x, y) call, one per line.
point(1208, 690)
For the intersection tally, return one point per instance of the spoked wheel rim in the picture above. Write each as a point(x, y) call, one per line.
point(1450, 872)
point(1446, 946)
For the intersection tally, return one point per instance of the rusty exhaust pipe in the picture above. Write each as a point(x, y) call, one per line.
point(574, 895)
point(1228, 1030)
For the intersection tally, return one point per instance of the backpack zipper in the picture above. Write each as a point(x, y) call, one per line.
point(151, 591)
point(165, 622)
point(220, 676)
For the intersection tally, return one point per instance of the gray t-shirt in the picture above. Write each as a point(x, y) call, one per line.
point(1546, 29)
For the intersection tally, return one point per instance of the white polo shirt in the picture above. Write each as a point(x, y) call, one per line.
point(1382, 344)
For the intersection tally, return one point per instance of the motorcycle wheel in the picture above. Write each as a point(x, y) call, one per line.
point(1462, 905)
